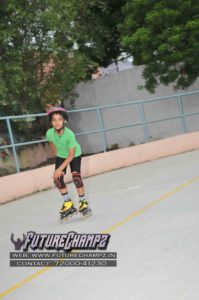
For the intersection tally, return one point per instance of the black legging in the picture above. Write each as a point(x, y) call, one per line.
point(75, 164)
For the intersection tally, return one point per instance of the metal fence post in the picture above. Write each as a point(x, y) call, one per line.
point(103, 138)
point(183, 123)
point(143, 120)
point(102, 130)
point(12, 143)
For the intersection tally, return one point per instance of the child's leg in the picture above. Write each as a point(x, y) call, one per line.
point(67, 208)
point(75, 166)
point(80, 190)
point(64, 190)
point(77, 179)
point(60, 181)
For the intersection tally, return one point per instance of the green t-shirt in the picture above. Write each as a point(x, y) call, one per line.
point(63, 142)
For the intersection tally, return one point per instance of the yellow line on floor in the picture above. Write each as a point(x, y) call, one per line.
point(110, 229)
point(138, 212)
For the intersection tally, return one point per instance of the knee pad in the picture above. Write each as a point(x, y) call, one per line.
point(59, 182)
point(77, 179)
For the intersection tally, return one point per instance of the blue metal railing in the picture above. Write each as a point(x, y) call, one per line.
point(101, 129)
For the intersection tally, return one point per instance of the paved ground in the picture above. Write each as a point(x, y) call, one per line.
point(151, 211)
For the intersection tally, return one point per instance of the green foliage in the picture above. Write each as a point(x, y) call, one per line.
point(164, 37)
point(95, 29)
point(33, 34)
point(74, 37)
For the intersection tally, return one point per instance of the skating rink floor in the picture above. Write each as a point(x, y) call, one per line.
point(151, 211)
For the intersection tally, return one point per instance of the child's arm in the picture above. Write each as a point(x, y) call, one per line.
point(71, 153)
point(58, 172)
point(53, 148)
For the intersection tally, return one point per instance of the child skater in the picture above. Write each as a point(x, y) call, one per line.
point(68, 151)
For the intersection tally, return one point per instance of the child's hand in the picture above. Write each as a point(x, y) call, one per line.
point(57, 174)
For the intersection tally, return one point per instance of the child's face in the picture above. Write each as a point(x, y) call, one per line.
point(57, 121)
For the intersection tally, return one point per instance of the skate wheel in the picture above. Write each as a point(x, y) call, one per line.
point(65, 218)
point(87, 215)
point(60, 220)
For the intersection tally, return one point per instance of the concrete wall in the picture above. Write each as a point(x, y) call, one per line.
point(18, 185)
point(29, 157)
point(122, 87)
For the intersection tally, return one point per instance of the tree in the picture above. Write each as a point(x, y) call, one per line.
point(38, 62)
point(164, 37)
point(95, 29)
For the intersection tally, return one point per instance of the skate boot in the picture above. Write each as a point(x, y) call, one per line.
point(67, 210)
point(84, 209)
